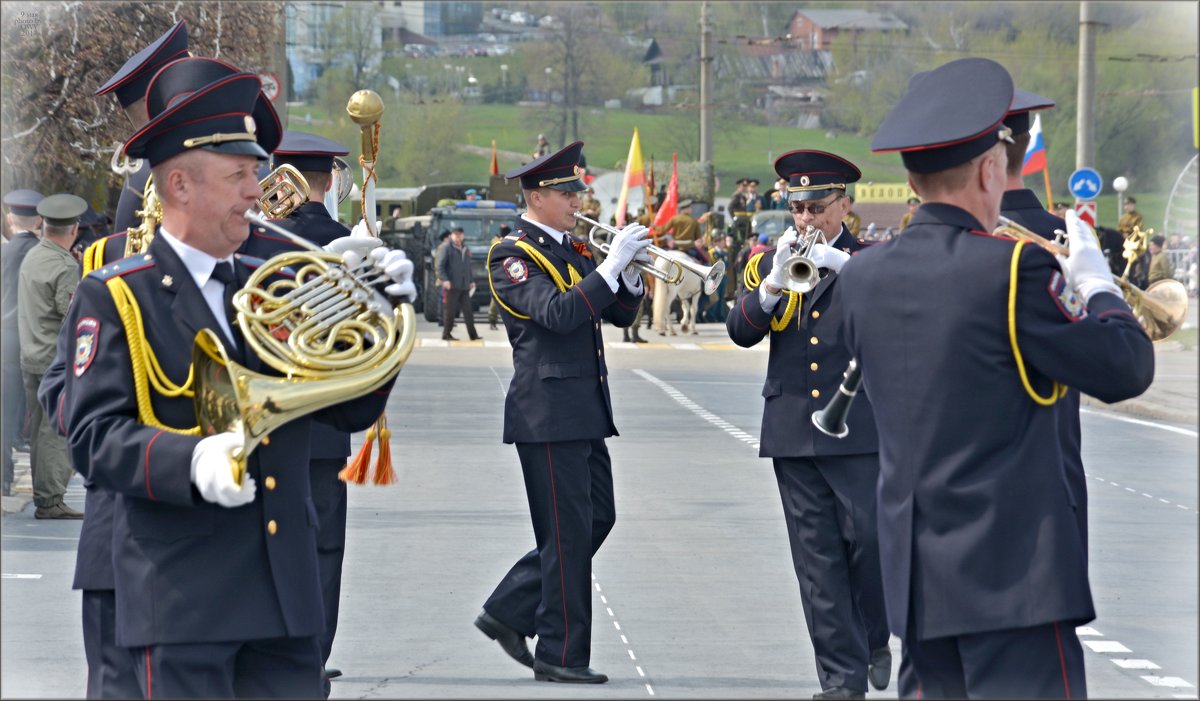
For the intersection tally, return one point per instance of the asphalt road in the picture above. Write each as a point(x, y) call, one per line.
point(694, 595)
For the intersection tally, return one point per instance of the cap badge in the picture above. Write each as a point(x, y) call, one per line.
point(250, 125)
point(804, 180)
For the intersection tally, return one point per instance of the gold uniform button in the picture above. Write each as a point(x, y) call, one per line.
point(816, 314)
point(813, 367)
point(813, 340)
point(270, 482)
point(272, 527)
point(816, 393)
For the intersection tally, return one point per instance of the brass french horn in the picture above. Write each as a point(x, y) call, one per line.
point(1160, 308)
point(320, 327)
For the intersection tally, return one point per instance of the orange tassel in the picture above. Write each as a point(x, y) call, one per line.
point(385, 473)
point(356, 471)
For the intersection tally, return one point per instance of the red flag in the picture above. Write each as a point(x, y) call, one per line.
point(671, 201)
point(495, 163)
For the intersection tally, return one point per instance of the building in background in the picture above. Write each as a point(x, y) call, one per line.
point(817, 29)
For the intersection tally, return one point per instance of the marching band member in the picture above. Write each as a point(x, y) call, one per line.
point(966, 339)
point(827, 485)
point(217, 585)
point(558, 413)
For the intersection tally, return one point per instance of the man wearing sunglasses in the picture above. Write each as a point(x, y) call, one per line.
point(827, 484)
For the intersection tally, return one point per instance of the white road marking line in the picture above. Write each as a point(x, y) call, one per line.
point(610, 613)
point(650, 689)
point(1135, 664)
point(624, 640)
point(1106, 646)
point(631, 655)
point(1087, 630)
point(1131, 490)
point(1163, 500)
point(686, 346)
point(503, 389)
point(1141, 422)
point(603, 600)
point(8, 575)
point(40, 537)
point(616, 625)
point(1147, 495)
point(640, 672)
point(1184, 696)
point(1174, 682)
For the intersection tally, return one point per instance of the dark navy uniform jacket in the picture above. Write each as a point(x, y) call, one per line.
point(1023, 207)
point(188, 571)
point(808, 359)
point(559, 389)
point(310, 221)
point(976, 523)
point(131, 198)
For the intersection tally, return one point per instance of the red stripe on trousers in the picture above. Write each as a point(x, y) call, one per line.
point(1062, 662)
point(562, 581)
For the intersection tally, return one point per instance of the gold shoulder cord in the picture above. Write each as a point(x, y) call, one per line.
point(93, 257)
point(751, 278)
point(542, 263)
point(146, 369)
point(1058, 390)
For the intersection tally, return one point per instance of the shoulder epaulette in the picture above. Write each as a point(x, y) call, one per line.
point(125, 266)
point(514, 237)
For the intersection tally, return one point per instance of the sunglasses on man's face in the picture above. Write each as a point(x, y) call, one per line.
point(813, 208)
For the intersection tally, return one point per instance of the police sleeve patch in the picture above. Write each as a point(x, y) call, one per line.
point(1066, 299)
point(87, 336)
point(516, 269)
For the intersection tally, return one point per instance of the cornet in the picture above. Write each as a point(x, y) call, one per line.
point(284, 189)
point(710, 274)
point(800, 273)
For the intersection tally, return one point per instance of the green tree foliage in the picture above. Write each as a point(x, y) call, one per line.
point(55, 134)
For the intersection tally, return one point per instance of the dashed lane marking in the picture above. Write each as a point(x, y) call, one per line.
point(624, 640)
point(1131, 490)
point(9, 575)
point(1112, 646)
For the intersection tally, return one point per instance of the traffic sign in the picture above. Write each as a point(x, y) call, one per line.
point(270, 85)
point(1085, 183)
point(1087, 212)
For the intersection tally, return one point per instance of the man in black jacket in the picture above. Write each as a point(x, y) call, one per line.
point(454, 270)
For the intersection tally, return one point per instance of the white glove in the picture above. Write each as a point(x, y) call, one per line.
point(825, 256)
point(1086, 269)
point(212, 471)
point(623, 249)
point(359, 244)
point(396, 265)
point(777, 278)
point(360, 229)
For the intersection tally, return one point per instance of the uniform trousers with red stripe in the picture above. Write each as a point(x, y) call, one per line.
point(548, 592)
point(1043, 662)
point(110, 666)
point(287, 668)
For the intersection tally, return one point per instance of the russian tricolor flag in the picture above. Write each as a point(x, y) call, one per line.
point(1035, 153)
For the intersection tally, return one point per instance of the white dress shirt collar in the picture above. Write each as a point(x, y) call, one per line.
point(557, 235)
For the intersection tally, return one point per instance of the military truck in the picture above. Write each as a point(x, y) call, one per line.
point(420, 236)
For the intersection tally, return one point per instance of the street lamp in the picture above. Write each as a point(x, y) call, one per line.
point(504, 76)
point(1120, 184)
point(549, 70)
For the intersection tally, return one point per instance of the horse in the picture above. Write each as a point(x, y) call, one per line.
point(688, 291)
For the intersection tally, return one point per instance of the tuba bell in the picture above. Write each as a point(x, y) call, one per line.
point(1160, 308)
point(321, 329)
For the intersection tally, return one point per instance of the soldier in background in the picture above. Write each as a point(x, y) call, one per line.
point(48, 280)
point(913, 203)
point(852, 221)
point(25, 223)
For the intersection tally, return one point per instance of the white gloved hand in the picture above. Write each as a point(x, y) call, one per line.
point(624, 248)
point(785, 248)
point(360, 229)
point(1086, 269)
point(359, 244)
point(826, 256)
point(212, 471)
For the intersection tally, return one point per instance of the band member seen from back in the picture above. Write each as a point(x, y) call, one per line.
point(181, 522)
point(983, 562)
point(558, 412)
point(827, 485)
point(26, 232)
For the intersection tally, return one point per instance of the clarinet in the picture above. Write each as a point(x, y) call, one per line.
point(832, 419)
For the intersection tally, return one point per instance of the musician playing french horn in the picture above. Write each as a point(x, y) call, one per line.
point(827, 486)
point(216, 579)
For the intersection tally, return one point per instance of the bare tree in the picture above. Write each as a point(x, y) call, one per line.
point(54, 133)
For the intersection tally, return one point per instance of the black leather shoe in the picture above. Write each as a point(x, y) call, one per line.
point(493, 325)
point(510, 640)
point(638, 339)
point(448, 337)
point(476, 337)
point(840, 692)
point(879, 671)
point(543, 672)
point(332, 672)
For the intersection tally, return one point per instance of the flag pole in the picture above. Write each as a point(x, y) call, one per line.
point(1049, 197)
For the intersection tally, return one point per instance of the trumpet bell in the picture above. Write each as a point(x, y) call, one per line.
point(712, 279)
point(800, 273)
point(1160, 308)
point(284, 189)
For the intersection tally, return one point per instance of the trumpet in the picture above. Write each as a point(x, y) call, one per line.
point(284, 189)
point(799, 271)
point(1160, 308)
point(710, 275)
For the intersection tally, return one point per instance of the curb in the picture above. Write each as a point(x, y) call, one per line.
point(1142, 409)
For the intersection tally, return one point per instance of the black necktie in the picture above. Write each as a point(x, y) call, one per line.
point(223, 273)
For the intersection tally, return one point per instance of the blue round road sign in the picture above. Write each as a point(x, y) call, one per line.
point(1085, 183)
